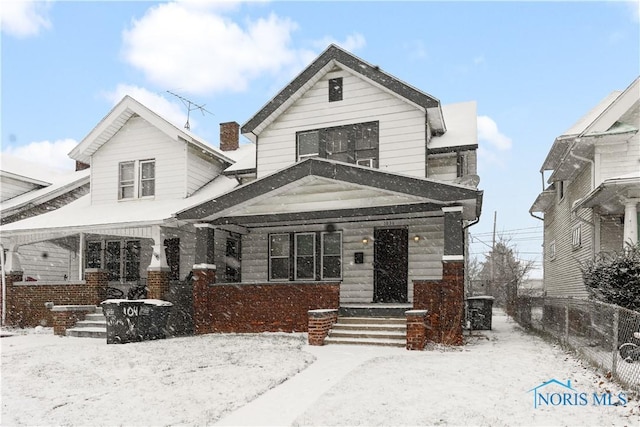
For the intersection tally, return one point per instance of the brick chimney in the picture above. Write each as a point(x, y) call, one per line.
point(229, 136)
point(81, 166)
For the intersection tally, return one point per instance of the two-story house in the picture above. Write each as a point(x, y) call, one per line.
point(142, 170)
point(591, 204)
point(365, 188)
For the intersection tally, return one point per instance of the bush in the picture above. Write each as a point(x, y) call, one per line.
point(615, 277)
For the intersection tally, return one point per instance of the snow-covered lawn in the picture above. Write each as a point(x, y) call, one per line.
point(48, 380)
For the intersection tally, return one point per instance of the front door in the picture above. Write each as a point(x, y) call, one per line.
point(390, 265)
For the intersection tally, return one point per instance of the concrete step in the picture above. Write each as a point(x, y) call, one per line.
point(87, 332)
point(94, 325)
point(368, 331)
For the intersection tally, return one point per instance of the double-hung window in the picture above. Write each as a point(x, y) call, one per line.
point(136, 179)
point(356, 143)
point(305, 256)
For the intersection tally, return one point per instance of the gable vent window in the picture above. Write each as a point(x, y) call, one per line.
point(136, 179)
point(335, 89)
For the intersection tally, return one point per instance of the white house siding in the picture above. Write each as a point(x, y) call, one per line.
point(614, 160)
point(201, 169)
point(425, 256)
point(47, 262)
point(401, 125)
point(138, 140)
point(563, 276)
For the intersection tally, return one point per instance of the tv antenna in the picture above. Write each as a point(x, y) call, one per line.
point(190, 107)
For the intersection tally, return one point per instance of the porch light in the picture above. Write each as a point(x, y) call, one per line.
point(416, 238)
point(365, 240)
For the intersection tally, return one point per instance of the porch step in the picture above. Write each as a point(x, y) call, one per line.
point(94, 325)
point(380, 331)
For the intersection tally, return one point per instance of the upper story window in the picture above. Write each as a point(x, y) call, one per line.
point(576, 237)
point(137, 179)
point(357, 143)
point(335, 89)
point(561, 190)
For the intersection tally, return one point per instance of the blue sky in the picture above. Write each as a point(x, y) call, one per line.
point(534, 68)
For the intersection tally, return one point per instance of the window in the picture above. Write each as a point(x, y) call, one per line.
point(305, 249)
point(350, 143)
point(312, 255)
point(126, 180)
point(335, 89)
point(232, 260)
point(279, 256)
point(121, 259)
point(331, 255)
point(552, 250)
point(129, 187)
point(560, 190)
point(93, 257)
point(576, 237)
point(308, 144)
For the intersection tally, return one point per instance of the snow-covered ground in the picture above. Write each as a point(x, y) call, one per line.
point(277, 379)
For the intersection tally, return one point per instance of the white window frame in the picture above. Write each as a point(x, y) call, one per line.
point(136, 183)
point(365, 162)
point(286, 256)
point(306, 156)
point(322, 255)
point(296, 256)
point(552, 250)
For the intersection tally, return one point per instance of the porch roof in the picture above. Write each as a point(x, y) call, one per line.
point(81, 216)
point(610, 196)
point(316, 189)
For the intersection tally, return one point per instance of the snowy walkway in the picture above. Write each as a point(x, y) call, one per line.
point(281, 405)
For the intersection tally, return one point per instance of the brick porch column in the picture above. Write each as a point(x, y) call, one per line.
point(204, 275)
point(416, 329)
point(10, 317)
point(452, 311)
point(427, 295)
point(157, 283)
point(97, 280)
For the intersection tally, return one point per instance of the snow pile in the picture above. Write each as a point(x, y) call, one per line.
point(238, 379)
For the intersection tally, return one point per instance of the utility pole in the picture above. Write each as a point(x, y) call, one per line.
point(493, 251)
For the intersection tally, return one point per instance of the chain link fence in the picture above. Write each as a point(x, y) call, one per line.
point(602, 334)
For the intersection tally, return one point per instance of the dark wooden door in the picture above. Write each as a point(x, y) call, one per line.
point(390, 263)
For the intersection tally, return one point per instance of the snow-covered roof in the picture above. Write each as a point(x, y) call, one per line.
point(244, 158)
point(462, 126)
point(28, 171)
point(118, 116)
point(80, 214)
point(585, 121)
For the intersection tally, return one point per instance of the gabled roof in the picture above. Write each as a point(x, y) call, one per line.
point(615, 118)
point(333, 57)
point(118, 116)
point(402, 192)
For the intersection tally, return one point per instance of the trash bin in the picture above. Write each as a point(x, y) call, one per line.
point(135, 320)
point(158, 316)
point(125, 320)
point(479, 310)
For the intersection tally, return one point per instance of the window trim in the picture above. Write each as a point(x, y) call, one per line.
point(288, 258)
point(576, 237)
point(122, 258)
point(352, 152)
point(552, 250)
point(323, 255)
point(296, 256)
point(318, 257)
point(137, 180)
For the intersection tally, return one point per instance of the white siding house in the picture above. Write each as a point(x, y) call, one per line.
point(591, 204)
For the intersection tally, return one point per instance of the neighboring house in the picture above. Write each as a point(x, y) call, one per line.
point(591, 204)
point(29, 189)
point(142, 170)
point(364, 184)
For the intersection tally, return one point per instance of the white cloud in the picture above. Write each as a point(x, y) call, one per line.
point(24, 18)
point(192, 48)
point(351, 43)
point(54, 154)
point(172, 111)
point(488, 131)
